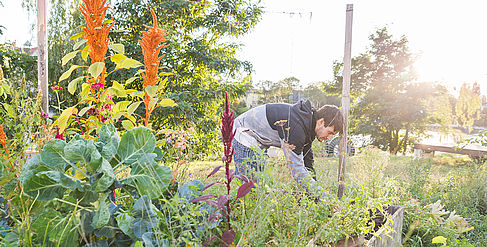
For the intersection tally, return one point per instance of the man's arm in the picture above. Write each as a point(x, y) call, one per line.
point(308, 159)
point(299, 171)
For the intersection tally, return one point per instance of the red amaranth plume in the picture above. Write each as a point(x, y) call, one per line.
point(227, 131)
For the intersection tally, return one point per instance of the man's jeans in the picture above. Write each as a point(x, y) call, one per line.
point(247, 160)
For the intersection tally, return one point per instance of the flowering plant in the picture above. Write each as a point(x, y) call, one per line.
point(222, 205)
point(96, 94)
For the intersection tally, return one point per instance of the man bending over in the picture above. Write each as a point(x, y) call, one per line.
point(290, 127)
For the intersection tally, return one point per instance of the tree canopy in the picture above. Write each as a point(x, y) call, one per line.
point(199, 62)
point(469, 104)
point(388, 103)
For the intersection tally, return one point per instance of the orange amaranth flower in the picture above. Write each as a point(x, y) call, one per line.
point(96, 32)
point(3, 138)
point(151, 43)
point(151, 46)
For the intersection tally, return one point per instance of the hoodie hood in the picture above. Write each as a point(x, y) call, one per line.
point(304, 113)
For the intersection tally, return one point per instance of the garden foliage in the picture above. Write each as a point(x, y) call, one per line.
point(102, 177)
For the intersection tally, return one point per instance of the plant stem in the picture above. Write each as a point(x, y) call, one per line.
point(58, 102)
point(227, 170)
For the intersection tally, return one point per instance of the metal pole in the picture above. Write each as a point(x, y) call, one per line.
point(42, 53)
point(342, 162)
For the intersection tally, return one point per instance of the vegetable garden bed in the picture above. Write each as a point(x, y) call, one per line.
point(390, 233)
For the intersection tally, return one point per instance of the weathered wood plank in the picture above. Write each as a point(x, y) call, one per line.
point(428, 148)
point(42, 53)
point(342, 160)
point(390, 234)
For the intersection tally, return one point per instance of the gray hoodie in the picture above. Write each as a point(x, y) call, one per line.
point(290, 127)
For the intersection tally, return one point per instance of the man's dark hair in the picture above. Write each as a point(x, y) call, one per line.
point(332, 116)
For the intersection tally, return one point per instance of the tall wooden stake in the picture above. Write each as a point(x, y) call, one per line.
point(342, 162)
point(42, 53)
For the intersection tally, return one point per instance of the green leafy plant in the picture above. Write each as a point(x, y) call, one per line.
point(113, 189)
point(86, 171)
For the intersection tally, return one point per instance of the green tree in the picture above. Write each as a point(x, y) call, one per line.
point(468, 105)
point(265, 89)
point(64, 17)
point(440, 105)
point(17, 64)
point(482, 121)
point(386, 102)
point(64, 21)
point(361, 72)
point(279, 91)
point(199, 61)
point(318, 97)
point(200, 56)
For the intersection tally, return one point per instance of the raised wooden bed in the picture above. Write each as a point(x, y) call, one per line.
point(389, 232)
point(356, 241)
point(389, 235)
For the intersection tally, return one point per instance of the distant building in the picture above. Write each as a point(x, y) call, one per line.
point(33, 51)
point(295, 96)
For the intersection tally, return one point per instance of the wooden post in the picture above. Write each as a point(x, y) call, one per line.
point(42, 53)
point(342, 162)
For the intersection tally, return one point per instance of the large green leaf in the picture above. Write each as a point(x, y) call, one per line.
point(117, 89)
point(108, 135)
point(85, 90)
point(118, 48)
point(102, 216)
point(61, 178)
point(39, 185)
point(79, 150)
point(127, 124)
point(125, 221)
point(66, 74)
point(135, 93)
point(121, 106)
point(79, 43)
point(53, 154)
point(84, 53)
point(56, 229)
point(151, 90)
point(68, 57)
point(107, 179)
point(131, 109)
point(96, 69)
point(74, 84)
point(145, 218)
point(77, 36)
point(167, 102)
point(83, 151)
point(190, 190)
point(150, 179)
point(128, 63)
point(84, 110)
point(116, 58)
point(62, 120)
point(136, 143)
